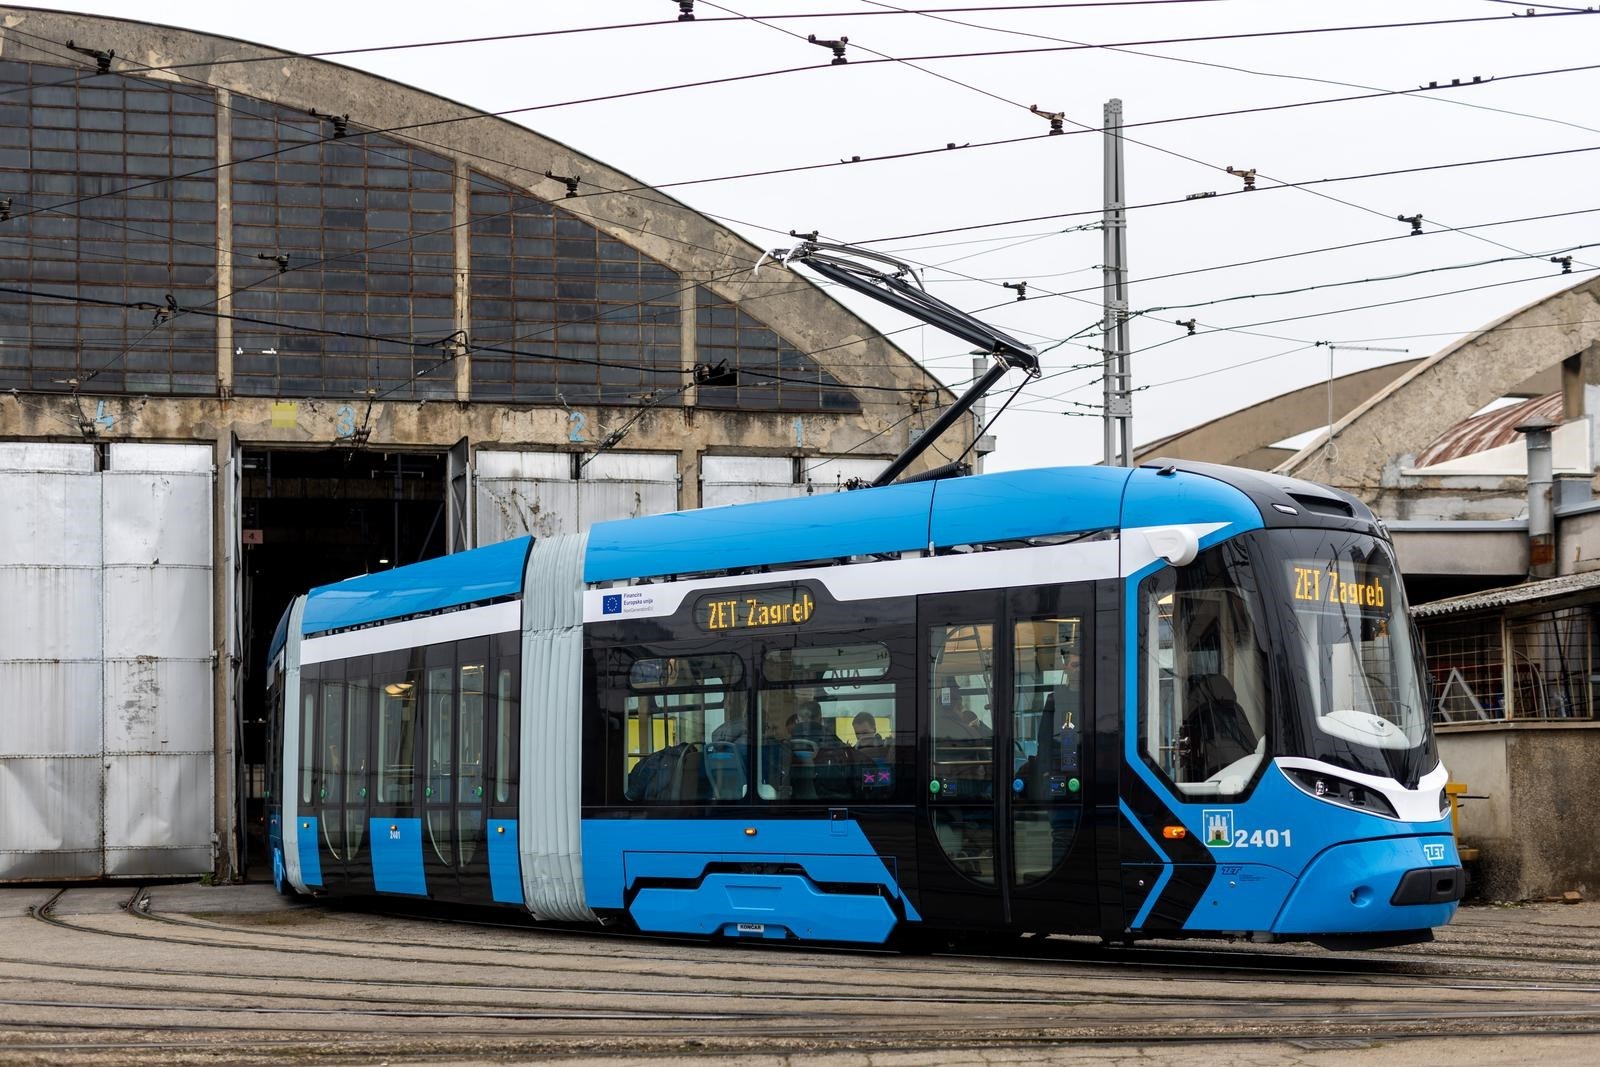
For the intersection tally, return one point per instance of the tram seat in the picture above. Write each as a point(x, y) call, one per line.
point(1230, 780)
point(670, 775)
point(689, 784)
point(1217, 732)
point(1235, 776)
point(802, 769)
point(725, 770)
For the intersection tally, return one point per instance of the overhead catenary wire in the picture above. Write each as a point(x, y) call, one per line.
point(358, 131)
point(1191, 61)
point(970, 87)
point(1121, 133)
point(1420, 169)
point(278, 57)
point(1086, 130)
point(405, 342)
point(1252, 35)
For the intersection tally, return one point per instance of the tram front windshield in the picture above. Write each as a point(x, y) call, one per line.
point(1348, 653)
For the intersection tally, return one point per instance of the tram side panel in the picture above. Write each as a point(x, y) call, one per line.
point(726, 792)
point(396, 762)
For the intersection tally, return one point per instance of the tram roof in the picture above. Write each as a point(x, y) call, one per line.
point(909, 517)
point(476, 576)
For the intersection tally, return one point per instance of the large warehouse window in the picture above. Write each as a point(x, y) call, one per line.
point(112, 200)
point(364, 224)
point(771, 372)
point(578, 315)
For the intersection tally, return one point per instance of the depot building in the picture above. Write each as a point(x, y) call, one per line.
point(249, 346)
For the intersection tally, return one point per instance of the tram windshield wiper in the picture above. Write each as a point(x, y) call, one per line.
point(889, 281)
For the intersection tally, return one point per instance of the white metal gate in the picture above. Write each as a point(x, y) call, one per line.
point(744, 479)
point(106, 750)
point(549, 493)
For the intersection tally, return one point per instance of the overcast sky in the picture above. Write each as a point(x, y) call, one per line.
point(1244, 350)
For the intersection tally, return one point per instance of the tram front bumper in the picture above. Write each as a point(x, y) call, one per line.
point(1397, 883)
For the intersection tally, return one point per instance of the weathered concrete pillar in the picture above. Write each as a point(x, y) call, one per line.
point(689, 457)
point(224, 246)
point(463, 290)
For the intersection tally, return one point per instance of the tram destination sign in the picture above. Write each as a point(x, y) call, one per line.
point(1320, 586)
point(722, 612)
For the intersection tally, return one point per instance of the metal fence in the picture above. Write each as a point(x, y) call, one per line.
point(1491, 667)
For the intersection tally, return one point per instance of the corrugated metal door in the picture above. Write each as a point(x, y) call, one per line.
point(548, 493)
point(625, 485)
point(523, 493)
point(745, 479)
point(157, 604)
point(106, 750)
point(50, 663)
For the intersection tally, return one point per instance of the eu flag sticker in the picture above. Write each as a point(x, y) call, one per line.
point(611, 605)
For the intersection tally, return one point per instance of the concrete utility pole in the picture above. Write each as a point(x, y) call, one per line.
point(1118, 382)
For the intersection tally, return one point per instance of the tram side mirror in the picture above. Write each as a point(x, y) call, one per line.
point(1178, 545)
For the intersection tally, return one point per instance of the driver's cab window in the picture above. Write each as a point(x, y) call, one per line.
point(1203, 675)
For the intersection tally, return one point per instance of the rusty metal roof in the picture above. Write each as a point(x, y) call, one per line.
point(1489, 430)
point(1509, 595)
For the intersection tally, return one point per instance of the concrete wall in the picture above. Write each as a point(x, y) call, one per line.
point(1534, 831)
point(1459, 549)
point(1578, 540)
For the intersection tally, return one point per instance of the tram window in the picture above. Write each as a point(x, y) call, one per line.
point(358, 694)
point(827, 718)
point(961, 681)
point(397, 716)
point(333, 756)
point(441, 705)
point(1047, 703)
point(469, 762)
point(505, 727)
point(961, 737)
point(1203, 674)
point(308, 741)
point(686, 728)
point(1047, 750)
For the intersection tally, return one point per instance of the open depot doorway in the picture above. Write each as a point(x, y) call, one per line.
point(309, 517)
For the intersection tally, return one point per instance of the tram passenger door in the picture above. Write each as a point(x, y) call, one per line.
point(1001, 839)
point(453, 783)
point(344, 709)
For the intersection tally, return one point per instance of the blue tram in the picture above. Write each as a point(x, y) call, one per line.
point(1169, 701)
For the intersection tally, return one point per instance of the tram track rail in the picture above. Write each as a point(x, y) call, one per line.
point(185, 988)
point(1216, 960)
point(1213, 964)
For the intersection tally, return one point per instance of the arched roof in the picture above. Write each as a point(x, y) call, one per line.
point(256, 82)
point(1245, 438)
point(1385, 434)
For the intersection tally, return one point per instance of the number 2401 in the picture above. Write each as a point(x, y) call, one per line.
point(1261, 839)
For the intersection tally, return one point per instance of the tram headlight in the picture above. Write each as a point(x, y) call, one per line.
point(1340, 791)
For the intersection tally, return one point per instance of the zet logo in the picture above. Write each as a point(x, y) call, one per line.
point(1218, 824)
point(611, 605)
point(1434, 852)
